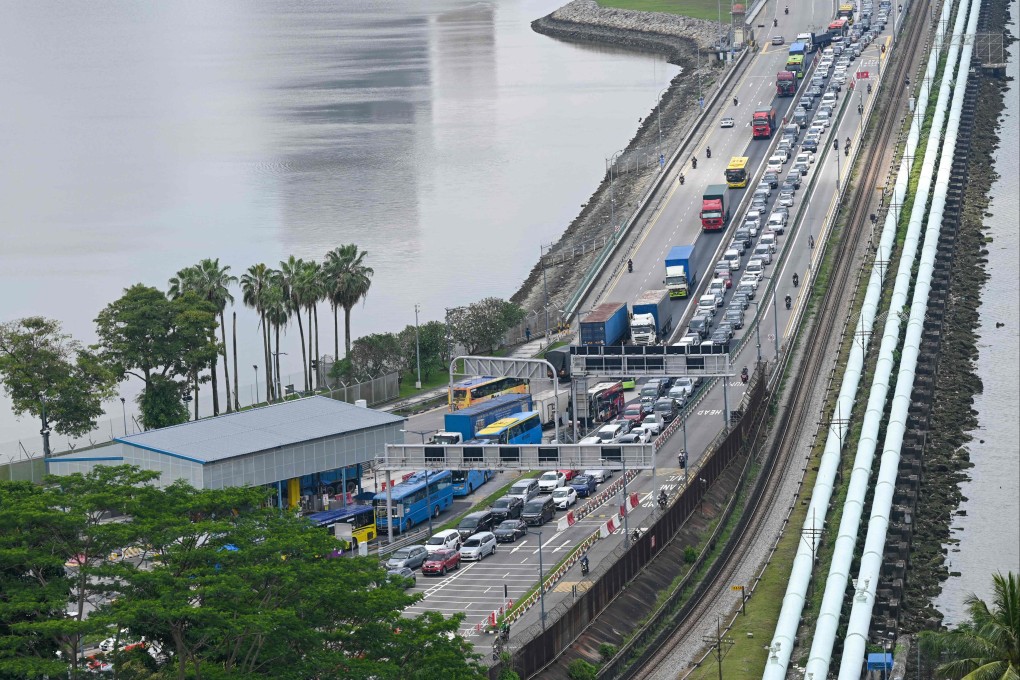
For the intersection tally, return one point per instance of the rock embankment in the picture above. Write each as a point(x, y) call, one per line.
point(676, 37)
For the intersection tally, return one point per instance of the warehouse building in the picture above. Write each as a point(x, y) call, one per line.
point(305, 449)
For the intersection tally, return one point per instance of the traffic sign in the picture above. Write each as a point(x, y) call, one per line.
point(862, 75)
point(736, 587)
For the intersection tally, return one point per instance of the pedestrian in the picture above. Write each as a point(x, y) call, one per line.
point(527, 333)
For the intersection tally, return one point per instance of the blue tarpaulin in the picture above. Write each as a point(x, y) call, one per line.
point(879, 661)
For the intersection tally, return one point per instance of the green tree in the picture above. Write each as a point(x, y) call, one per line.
point(254, 284)
point(212, 283)
point(433, 346)
point(278, 317)
point(144, 334)
point(375, 354)
point(987, 647)
point(347, 280)
point(38, 361)
point(481, 326)
point(295, 288)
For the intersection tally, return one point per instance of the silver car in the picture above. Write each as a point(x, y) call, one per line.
point(477, 546)
point(411, 556)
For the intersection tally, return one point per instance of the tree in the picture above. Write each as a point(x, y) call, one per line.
point(278, 316)
point(481, 326)
point(432, 345)
point(144, 334)
point(347, 282)
point(375, 354)
point(254, 283)
point(987, 647)
point(39, 361)
point(211, 283)
point(295, 289)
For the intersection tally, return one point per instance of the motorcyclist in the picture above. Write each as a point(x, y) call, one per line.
point(789, 302)
point(796, 280)
point(811, 241)
point(848, 141)
point(682, 458)
point(636, 535)
point(786, 10)
point(584, 564)
point(743, 374)
point(775, 22)
point(663, 498)
point(734, 101)
point(694, 162)
point(869, 88)
point(708, 152)
point(630, 266)
point(680, 179)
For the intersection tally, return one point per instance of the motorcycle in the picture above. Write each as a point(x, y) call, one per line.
point(869, 88)
point(796, 280)
point(682, 459)
point(787, 10)
point(744, 375)
point(775, 23)
point(708, 152)
point(630, 266)
point(584, 565)
point(663, 499)
point(681, 179)
point(734, 101)
point(789, 302)
point(694, 163)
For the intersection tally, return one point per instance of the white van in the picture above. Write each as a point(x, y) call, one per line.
point(525, 489)
point(443, 540)
point(732, 256)
point(611, 433)
point(755, 266)
point(769, 239)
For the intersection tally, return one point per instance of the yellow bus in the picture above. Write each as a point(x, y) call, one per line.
point(736, 172)
point(846, 11)
point(361, 519)
point(474, 390)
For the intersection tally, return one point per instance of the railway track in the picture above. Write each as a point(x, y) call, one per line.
point(798, 416)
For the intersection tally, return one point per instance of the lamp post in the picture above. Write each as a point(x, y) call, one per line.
point(256, 398)
point(277, 384)
point(612, 194)
point(687, 458)
point(541, 576)
point(658, 115)
point(704, 491)
point(417, 348)
point(45, 429)
point(757, 327)
point(123, 410)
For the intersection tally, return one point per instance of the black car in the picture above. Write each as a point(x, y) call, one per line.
point(507, 507)
point(510, 530)
point(735, 317)
point(810, 144)
point(667, 408)
point(744, 236)
point(772, 178)
point(699, 325)
point(816, 90)
point(720, 338)
point(474, 523)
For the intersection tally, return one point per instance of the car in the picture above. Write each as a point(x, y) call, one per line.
point(800, 117)
point(449, 539)
point(697, 326)
point(747, 288)
point(475, 522)
point(735, 317)
point(774, 164)
point(810, 144)
point(646, 405)
point(720, 338)
point(655, 387)
point(756, 217)
point(634, 412)
point(653, 423)
point(510, 530)
point(707, 303)
point(727, 328)
point(732, 256)
point(816, 90)
point(806, 102)
point(805, 158)
point(785, 144)
point(641, 436)
point(610, 434)
point(507, 507)
point(552, 480)
point(759, 203)
point(823, 117)
point(743, 235)
point(680, 394)
point(763, 252)
point(762, 192)
point(778, 40)
point(590, 441)
point(717, 289)
point(776, 223)
point(772, 177)
point(738, 245)
point(479, 545)
point(688, 340)
point(784, 156)
point(790, 184)
point(786, 198)
point(405, 574)
point(626, 424)
point(770, 240)
point(585, 485)
point(564, 497)
point(411, 556)
point(599, 475)
point(667, 408)
point(726, 122)
point(742, 299)
point(442, 561)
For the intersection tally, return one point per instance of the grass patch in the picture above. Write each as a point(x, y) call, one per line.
point(699, 9)
point(407, 388)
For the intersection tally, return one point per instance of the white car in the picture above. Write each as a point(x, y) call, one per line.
point(816, 130)
point(777, 223)
point(477, 546)
point(599, 475)
point(590, 441)
point(717, 288)
point(770, 240)
point(448, 539)
point(774, 164)
point(687, 384)
point(707, 303)
point(564, 497)
point(785, 199)
point(552, 480)
point(784, 155)
point(823, 118)
point(762, 252)
point(652, 423)
point(726, 122)
point(753, 215)
point(641, 435)
point(805, 158)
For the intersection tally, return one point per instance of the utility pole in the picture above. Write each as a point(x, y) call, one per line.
point(417, 347)
point(717, 641)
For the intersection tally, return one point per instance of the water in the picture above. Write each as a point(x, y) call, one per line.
point(989, 534)
point(445, 138)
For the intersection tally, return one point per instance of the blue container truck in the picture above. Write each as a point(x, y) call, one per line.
point(607, 324)
point(462, 425)
point(679, 277)
point(652, 319)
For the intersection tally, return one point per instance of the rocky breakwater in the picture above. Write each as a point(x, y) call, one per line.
point(676, 37)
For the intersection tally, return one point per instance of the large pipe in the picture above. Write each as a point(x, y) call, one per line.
point(827, 624)
point(800, 575)
point(885, 485)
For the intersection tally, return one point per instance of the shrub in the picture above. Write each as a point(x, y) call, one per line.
point(579, 669)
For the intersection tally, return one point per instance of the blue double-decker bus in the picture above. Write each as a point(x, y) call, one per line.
point(520, 428)
point(413, 501)
point(466, 481)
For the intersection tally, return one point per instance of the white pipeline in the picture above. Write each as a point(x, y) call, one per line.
point(857, 489)
point(874, 545)
point(800, 574)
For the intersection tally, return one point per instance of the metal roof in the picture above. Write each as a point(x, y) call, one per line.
point(238, 434)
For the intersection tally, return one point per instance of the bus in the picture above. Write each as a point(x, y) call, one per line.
point(605, 401)
point(361, 517)
point(839, 28)
point(520, 428)
point(846, 11)
point(413, 502)
point(466, 481)
point(736, 172)
point(474, 390)
point(795, 64)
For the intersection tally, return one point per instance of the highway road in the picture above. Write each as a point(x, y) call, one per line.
point(479, 588)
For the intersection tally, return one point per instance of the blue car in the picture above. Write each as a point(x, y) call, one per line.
point(584, 485)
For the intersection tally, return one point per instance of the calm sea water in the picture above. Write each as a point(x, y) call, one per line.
point(989, 534)
point(445, 138)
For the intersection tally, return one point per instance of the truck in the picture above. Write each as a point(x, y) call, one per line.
point(559, 357)
point(680, 278)
point(546, 404)
point(652, 317)
point(607, 324)
point(798, 48)
point(786, 84)
point(808, 39)
point(763, 122)
point(715, 214)
point(461, 426)
point(821, 41)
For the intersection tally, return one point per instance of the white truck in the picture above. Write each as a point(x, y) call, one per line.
point(653, 318)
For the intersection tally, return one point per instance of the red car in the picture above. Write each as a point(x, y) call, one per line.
point(634, 412)
point(441, 561)
point(569, 474)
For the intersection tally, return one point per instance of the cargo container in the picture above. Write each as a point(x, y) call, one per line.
point(607, 324)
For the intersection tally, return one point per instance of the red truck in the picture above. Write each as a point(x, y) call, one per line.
point(786, 84)
point(763, 123)
point(714, 211)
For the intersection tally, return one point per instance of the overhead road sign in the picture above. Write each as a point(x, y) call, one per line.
point(523, 457)
point(657, 360)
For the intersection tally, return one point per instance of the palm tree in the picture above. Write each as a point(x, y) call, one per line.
point(254, 284)
point(311, 293)
point(277, 309)
point(348, 281)
point(212, 283)
point(294, 290)
point(988, 646)
point(190, 280)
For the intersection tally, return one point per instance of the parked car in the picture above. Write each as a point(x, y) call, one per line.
point(476, 522)
point(479, 545)
point(404, 574)
point(584, 485)
point(507, 507)
point(510, 530)
point(448, 539)
point(564, 497)
point(410, 556)
point(441, 561)
point(551, 480)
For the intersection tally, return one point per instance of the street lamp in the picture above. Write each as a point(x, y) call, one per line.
point(123, 409)
point(277, 384)
point(658, 115)
point(541, 576)
point(256, 397)
point(704, 487)
point(757, 327)
point(775, 312)
point(45, 429)
point(417, 347)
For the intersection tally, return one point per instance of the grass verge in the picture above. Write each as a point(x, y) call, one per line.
point(699, 9)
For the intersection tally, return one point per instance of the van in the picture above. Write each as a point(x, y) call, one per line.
point(538, 511)
point(732, 256)
point(769, 240)
point(800, 117)
point(475, 522)
point(525, 489)
point(755, 267)
point(448, 539)
point(611, 433)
